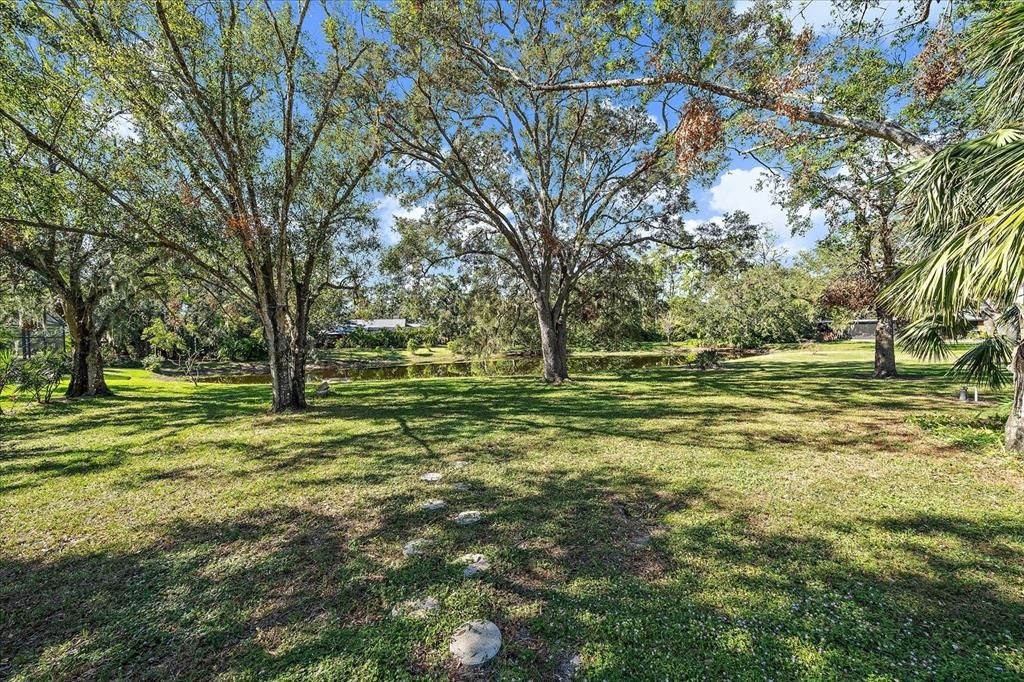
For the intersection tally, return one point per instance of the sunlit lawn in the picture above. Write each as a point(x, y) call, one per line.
point(783, 517)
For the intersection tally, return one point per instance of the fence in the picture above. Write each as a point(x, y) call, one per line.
point(25, 343)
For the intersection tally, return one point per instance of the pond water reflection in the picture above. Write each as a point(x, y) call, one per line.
point(503, 367)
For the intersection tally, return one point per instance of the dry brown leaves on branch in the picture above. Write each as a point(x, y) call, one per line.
point(188, 197)
point(241, 226)
point(939, 64)
point(699, 131)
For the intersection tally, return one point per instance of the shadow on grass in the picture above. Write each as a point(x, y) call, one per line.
point(581, 563)
point(644, 580)
point(665, 405)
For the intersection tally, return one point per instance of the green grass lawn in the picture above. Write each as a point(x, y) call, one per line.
point(782, 518)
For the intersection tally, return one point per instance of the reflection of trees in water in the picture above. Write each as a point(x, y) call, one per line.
point(480, 368)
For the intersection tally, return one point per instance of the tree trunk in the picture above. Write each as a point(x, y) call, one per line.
point(553, 344)
point(298, 356)
point(86, 355)
point(1015, 422)
point(885, 346)
point(287, 360)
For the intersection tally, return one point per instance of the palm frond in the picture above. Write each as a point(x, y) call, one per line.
point(926, 338)
point(1010, 319)
point(967, 204)
point(986, 363)
point(995, 49)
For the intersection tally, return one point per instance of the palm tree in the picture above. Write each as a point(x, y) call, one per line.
point(966, 203)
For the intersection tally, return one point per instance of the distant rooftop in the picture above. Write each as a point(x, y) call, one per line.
point(382, 323)
point(375, 325)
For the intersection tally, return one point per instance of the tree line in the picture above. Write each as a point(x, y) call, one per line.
point(240, 148)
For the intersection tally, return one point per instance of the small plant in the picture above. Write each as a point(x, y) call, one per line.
point(184, 355)
point(153, 362)
point(707, 359)
point(809, 346)
point(41, 374)
point(189, 363)
point(411, 346)
point(8, 371)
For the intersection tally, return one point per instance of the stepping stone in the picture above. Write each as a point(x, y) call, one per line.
point(461, 486)
point(569, 668)
point(476, 642)
point(433, 505)
point(640, 540)
point(416, 608)
point(468, 518)
point(431, 476)
point(416, 547)
point(475, 563)
point(460, 463)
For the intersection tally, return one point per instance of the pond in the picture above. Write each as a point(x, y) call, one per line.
point(464, 368)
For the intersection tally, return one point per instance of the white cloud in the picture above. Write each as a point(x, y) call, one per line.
point(389, 208)
point(736, 191)
point(691, 225)
point(122, 127)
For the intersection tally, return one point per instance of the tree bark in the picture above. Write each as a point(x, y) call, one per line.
point(286, 351)
point(553, 344)
point(885, 345)
point(299, 348)
point(86, 354)
point(1015, 422)
point(288, 389)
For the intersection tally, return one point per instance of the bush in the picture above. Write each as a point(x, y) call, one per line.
point(153, 362)
point(41, 374)
point(8, 370)
point(386, 338)
point(707, 359)
point(243, 348)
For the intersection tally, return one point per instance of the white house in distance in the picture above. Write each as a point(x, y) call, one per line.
point(377, 325)
point(384, 324)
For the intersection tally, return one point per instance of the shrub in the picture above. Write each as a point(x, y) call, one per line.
point(242, 348)
point(153, 362)
point(8, 370)
point(41, 374)
point(707, 359)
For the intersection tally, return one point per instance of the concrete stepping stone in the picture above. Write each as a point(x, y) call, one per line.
point(431, 477)
point(474, 563)
point(468, 518)
point(460, 464)
point(476, 642)
point(461, 486)
point(640, 540)
point(433, 505)
point(570, 668)
point(416, 608)
point(416, 547)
